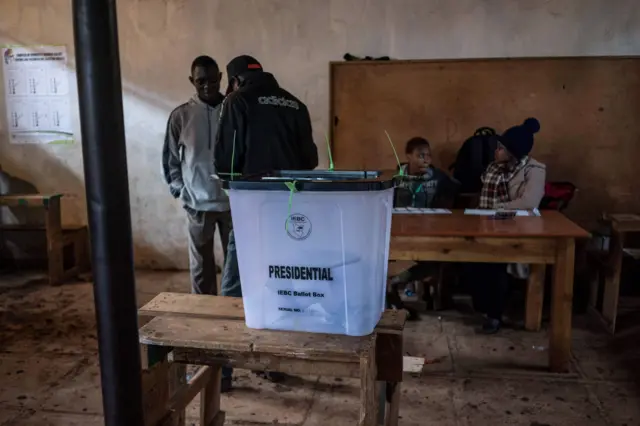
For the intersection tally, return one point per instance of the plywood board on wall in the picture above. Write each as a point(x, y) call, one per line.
point(589, 110)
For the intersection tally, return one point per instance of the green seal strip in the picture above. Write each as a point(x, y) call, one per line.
point(233, 159)
point(233, 153)
point(329, 151)
point(292, 189)
point(22, 202)
point(400, 171)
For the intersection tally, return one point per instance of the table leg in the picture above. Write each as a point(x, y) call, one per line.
point(368, 388)
point(393, 412)
point(54, 241)
point(535, 298)
point(561, 304)
point(612, 281)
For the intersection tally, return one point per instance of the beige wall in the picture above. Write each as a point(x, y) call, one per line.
point(295, 39)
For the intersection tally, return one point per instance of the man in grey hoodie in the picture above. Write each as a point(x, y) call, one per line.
point(188, 166)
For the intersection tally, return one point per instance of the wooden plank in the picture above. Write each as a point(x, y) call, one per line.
point(561, 303)
point(470, 249)
point(54, 241)
point(266, 362)
point(210, 399)
point(535, 298)
point(311, 345)
point(195, 306)
point(30, 200)
point(197, 333)
point(234, 336)
point(368, 388)
point(611, 294)
point(625, 222)
point(187, 393)
point(230, 308)
point(412, 364)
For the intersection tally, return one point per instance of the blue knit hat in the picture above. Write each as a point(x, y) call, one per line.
point(518, 140)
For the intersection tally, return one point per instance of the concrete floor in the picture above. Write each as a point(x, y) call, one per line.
point(49, 371)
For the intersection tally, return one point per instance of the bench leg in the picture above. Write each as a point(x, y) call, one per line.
point(53, 224)
point(81, 252)
point(393, 411)
point(155, 393)
point(612, 282)
point(210, 414)
point(535, 298)
point(368, 388)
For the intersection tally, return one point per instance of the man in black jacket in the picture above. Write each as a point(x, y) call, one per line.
point(262, 128)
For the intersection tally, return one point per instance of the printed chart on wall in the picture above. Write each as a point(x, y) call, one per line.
point(36, 82)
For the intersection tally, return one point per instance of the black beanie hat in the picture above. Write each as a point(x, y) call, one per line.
point(241, 65)
point(518, 140)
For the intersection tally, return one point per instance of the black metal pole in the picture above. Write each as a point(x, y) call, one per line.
point(107, 187)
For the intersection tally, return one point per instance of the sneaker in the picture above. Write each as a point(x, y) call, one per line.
point(226, 384)
point(412, 314)
point(490, 326)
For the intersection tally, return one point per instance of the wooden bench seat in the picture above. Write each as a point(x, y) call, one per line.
point(210, 331)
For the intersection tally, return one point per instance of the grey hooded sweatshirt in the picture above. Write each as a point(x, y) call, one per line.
point(187, 156)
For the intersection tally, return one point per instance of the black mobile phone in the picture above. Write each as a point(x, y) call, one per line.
point(504, 215)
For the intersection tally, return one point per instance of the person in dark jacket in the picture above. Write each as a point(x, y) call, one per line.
point(422, 186)
point(262, 128)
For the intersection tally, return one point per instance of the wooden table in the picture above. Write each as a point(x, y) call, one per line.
point(621, 224)
point(53, 227)
point(549, 239)
point(210, 331)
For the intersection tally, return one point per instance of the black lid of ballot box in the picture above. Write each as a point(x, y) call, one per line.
point(314, 180)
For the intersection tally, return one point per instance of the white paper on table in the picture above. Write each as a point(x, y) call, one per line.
point(415, 210)
point(483, 212)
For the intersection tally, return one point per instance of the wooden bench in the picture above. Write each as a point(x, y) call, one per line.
point(210, 331)
point(58, 238)
point(611, 266)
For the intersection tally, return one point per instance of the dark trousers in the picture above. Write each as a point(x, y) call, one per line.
point(489, 283)
point(230, 285)
point(202, 266)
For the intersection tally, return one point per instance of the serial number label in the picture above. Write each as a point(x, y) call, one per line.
point(296, 310)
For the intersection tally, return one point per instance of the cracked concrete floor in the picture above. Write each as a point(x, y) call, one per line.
point(49, 371)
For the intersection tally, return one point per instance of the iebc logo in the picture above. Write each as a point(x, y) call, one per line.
point(298, 226)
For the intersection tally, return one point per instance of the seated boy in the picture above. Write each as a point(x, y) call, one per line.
point(423, 186)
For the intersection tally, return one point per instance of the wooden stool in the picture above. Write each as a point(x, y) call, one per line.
point(611, 266)
point(77, 237)
point(210, 331)
point(57, 236)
